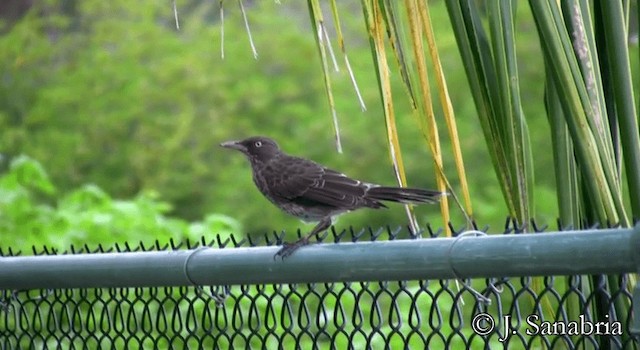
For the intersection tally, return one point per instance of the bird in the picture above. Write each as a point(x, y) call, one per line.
point(313, 192)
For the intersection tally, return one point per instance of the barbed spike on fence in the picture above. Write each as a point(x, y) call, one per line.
point(253, 240)
point(429, 230)
point(376, 233)
point(337, 237)
point(393, 233)
point(175, 246)
point(239, 243)
point(507, 226)
point(456, 232)
point(298, 233)
point(233, 240)
point(522, 228)
point(537, 228)
point(355, 235)
point(222, 244)
point(268, 241)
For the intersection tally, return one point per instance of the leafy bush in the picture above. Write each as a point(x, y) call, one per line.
point(30, 214)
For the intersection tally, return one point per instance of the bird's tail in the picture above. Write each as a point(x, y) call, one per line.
point(404, 195)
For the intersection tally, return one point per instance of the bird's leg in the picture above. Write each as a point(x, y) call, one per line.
point(289, 248)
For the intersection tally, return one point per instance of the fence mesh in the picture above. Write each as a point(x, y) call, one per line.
point(555, 312)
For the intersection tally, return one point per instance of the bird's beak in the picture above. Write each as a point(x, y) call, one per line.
point(234, 145)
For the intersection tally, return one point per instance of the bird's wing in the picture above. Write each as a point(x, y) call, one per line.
point(307, 182)
point(336, 189)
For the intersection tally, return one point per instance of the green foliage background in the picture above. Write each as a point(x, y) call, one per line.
point(125, 113)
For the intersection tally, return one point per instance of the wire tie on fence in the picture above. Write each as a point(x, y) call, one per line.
point(497, 287)
point(219, 300)
point(4, 304)
point(481, 298)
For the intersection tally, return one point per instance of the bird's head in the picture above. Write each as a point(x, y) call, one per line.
point(256, 148)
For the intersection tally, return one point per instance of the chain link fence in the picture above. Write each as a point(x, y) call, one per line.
point(553, 312)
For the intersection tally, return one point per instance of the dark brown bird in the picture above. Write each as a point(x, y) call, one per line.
point(312, 192)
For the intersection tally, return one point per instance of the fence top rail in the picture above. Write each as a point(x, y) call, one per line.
point(607, 251)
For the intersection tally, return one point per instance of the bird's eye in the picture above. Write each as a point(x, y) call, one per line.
point(258, 143)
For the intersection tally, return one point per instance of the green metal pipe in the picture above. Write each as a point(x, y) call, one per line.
point(554, 253)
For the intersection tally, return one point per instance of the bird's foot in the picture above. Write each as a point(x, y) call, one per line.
point(289, 248)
